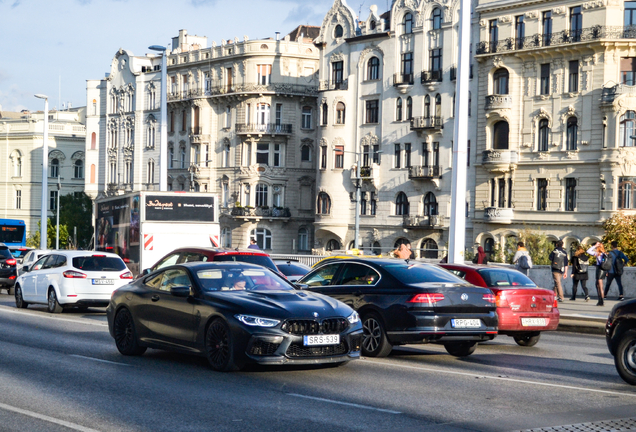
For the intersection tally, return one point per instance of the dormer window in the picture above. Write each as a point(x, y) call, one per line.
point(338, 32)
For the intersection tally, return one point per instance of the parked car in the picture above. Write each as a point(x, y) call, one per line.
point(292, 269)
point(29, 258)
point(403, 302)
point(524, 310)
point(64, 279)
point(620, 332)
point(7, 269)
point(233, 313)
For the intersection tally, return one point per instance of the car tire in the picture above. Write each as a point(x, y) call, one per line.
point(463, 349)
point(374, 340)
point(19, 300)
point(625, 358)
point(219, 349)
point(53, 306)
point(527, 339)
point(126, 335)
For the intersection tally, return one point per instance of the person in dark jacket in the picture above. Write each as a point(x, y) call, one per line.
point(559, 265)
point(598, 251)
point(616, 271)
point(580, 262)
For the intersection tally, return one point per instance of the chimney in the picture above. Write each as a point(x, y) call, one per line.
point(277, 36)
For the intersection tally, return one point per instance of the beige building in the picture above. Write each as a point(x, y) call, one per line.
point(21, 139)
point(556, 114)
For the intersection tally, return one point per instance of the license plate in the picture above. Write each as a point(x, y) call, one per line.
point(534, 322)
point(102, 282)
point(321, 340)
point(466, 323)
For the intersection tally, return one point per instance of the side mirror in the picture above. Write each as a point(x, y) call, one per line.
point(301, 285)
point(145, 272)
point(180, 291)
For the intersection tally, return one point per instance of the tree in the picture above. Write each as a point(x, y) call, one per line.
point(622, 229)
point(33, 240)
point(77, 211)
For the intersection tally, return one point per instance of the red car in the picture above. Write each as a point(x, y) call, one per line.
point(524, 310)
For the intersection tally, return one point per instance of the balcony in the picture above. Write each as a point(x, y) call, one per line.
point(333, 85)
point(494, 102)
point(432, 76)
point(499, 160)
point(453, 73)
point(400, 79)
point(609, 94)
point(263, 129)
point(498, 215)
point(259, 212)
point(424, 172)
point(434, 221)
point(427, 123)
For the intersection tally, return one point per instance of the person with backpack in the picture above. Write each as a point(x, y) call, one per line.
point(603, 264)
point(619, 259)
point(580, 263)
point(559, 264)
point(522, 260)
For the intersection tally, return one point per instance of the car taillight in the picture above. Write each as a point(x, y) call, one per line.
point(427, 298)
point(71, 274)
point(501, 300)
point(127, 275)
point(99, 256)
point(555, 304)
point(490, 298)
point(10, 261)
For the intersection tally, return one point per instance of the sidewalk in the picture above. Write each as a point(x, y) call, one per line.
point(584, 317)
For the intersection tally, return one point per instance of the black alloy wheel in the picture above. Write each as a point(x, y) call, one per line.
point(125, 334)
point(625, 359)
point(527, 339)
point(462, 349)
point(374, 340)
point(19, 301)
point(218, 346)
point(53, 305)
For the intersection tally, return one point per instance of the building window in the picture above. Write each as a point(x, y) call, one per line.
point(279, 114)
point(337, 73)
point(363, 204)
point(544, 132)
point(264, 74)
point(371, 111)
point(17, 165)
point(373, 68)
point(306, 122)
point(262, 154)
point(332, 245)
point(436, 17)
point(303, 239)
point(546, 27)
point(398, 109)
point(55, 168)
point(520, 31)
point(407, 155)
point(630, 13)
point(545, 79)
point(151, 172)
point(262, 114)
point(339, 157)
point(626, 190)
point(93, 141)
point(305, 153)
point(228, 117)
point(376, 154)
point(324, 204)
point(500, 81)
point(18, 199)
point(325, 114)
point(542, 194)
point(627, 129)
point(409, 108)
point(493, 34)
point(263, 238)
point(338, 31)
point(500, 136)
point(323, 157)
point(398, 156)
point(576, 24)
point(226, 156)
point(427, 106)
point(53, 200)
point(501, 188)
point(407, 23)
point(113, 172)
point(572, 134)
point(129, 172)
point(366, 156)
point(182, 157)
point(628, 70)
point(402, 205)
point(226, 238)
point(340, 113)
point(438, 106)
point(435, 61)
point(278, 159)
point(430, 204)
point(407, 67)
point(78, 169)
point(570, 194)
point(436, 154)
point(261, 195)
point(573, 77)
point(373, 204)
point(184, 120)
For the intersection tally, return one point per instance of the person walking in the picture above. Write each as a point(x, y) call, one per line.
point(603, 263)
point(580, 263)
point(522, 260)
point(402, 252)
point(559, 263)
point(619, 259)
point(481, 257)
point(253, 244)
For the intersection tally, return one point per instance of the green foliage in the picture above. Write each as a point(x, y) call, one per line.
point(621, 228)
point(469, 255)
point(538, 245)
point(33, 239)
point(77, 211)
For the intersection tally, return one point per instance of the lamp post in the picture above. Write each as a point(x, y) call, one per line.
point(163, 134)
point(57, 209)
point(45, 172)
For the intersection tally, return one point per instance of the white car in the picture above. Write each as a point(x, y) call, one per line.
point(31, 256)
point(64, 279)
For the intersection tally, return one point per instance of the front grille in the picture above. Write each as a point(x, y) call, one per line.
point(297, 349)
point(309, 327)
point(263, 348)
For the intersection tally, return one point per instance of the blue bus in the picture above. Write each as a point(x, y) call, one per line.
point(12, 232)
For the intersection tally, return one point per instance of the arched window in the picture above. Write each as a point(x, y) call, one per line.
point(407, 23)
point(572, 134)
point(544, 131)
point(303, 239)
point(500, 81)
point(429, 249)
point(627, 129)
point(427, 106)
point(398, 109)
point(340, 113)
point(430, 204)
point(438, 106)
point(263, 237)
point(338, 31)
point(226, 238)
point(324, 204)
point(332, 245)
point(376, 248)
point(93, 141)
point(500, 136)
point(626, 189)
point(436, 17)
point(150, 177)
point(402, 205)
point(305, 153)
point(409, 108)
point(78, 169)
point(489, 247)
point(373, 69)
point(55, 168)
point(261, 195)
point(325, 114)
point(372, 25)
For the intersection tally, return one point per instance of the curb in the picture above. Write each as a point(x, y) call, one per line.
point(579, 324)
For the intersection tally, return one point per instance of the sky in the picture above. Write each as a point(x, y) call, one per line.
point(52, 47)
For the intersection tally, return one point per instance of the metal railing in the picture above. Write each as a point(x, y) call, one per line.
point(333, 85)
point(402, 79)
point(219, 89)
point(424, 171)
point(269, 128)
point(432, 76)
point(276, 212)
point(427, 123)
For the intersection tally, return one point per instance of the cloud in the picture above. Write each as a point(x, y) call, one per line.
point(305, 14)
point(15, 4)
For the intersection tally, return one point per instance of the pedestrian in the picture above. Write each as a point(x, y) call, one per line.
point(619, 259)
point(522, 260)
point(402, 252)
point(603, 263)
point(559, 264)
point(580, 262)
point(481, 257)
point(253, 244)
point(412, 255)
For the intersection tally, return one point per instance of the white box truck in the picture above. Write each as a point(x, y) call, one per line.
point(142, 227)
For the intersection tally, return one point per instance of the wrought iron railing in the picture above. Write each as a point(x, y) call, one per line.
point(427, 123)
point(269, 128)
point(402, 79)
point(424, 171)
point(432, 76)
point(282, 212)
point(218, 89)
point(333, 85)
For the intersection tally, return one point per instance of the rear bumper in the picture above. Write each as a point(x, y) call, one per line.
point(510, 321)
point(88, 300)
point(7, 280)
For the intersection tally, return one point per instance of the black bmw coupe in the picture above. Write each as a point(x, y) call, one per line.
point(233, 313)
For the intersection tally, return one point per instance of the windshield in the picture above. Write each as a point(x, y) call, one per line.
point(19, 252)
point(421, 273)
point(262, 260)
point(99, 263)
point(502, 278)
point(236, 279)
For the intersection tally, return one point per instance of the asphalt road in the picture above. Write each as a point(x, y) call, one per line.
point(63, 372)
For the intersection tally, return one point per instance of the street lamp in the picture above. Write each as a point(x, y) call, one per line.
point(163, 134)
point(57, 208)
point(45, 173)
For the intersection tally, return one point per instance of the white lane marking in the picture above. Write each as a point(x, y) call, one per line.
point(49, 316)
point(98, 360)
point(344, 403)
point(64, 423)
point(473, 375)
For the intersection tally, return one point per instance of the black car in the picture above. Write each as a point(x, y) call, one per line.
point(292, 269)
point(620, 332)
point(405, 302)
point(7, 269)
point(232, 313)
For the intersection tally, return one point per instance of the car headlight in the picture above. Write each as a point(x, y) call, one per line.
point(353, 318)
point(257, 321)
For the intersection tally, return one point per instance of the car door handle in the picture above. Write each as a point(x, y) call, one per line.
point(155, 298)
